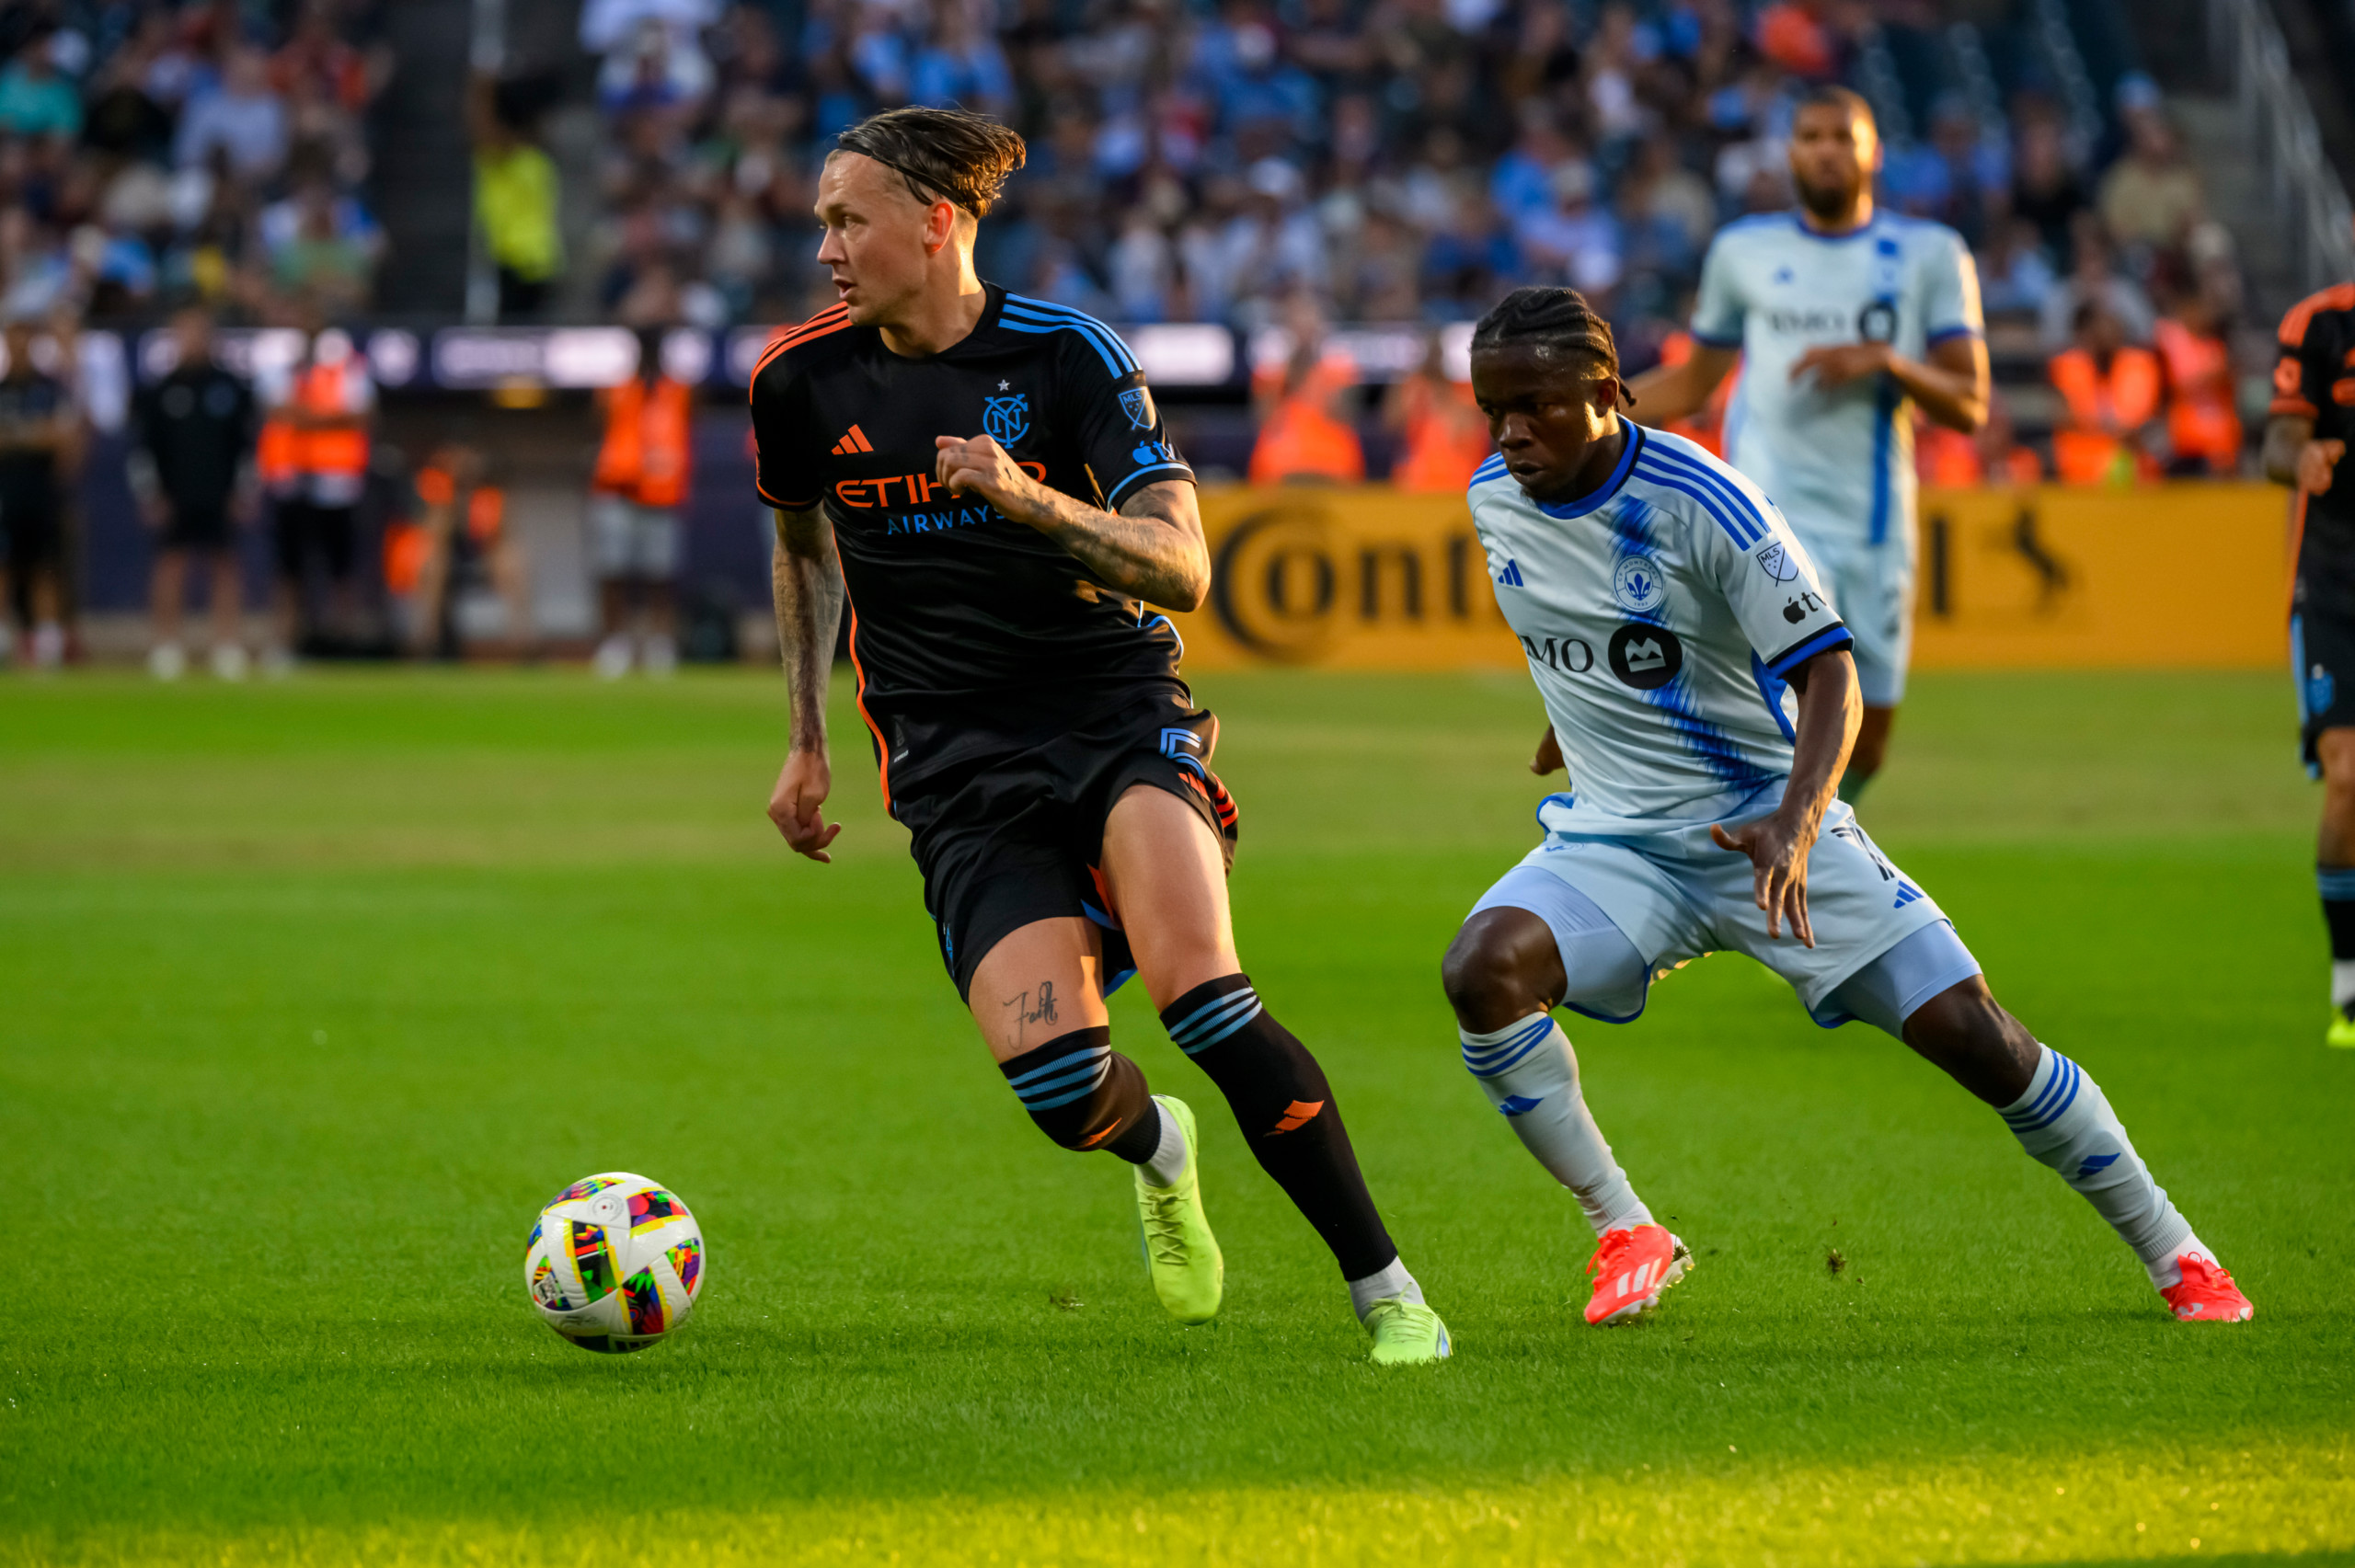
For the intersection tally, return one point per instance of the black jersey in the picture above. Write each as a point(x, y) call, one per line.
point(963, 623)
point(2314, 378)
point(28, 476)
point(198, 424)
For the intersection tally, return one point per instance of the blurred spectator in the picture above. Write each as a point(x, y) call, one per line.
point(2045, 188)
point(2095, 281)
point(40, 436)
point(2203, 424)
point(516, 188)
point(456, 535)
point(35, 100)
point(321, 246)
point(640, 484)
point(240, 115)
point(2111, 391)
point(191, 471)
point(2150, 196)
point(1443, 434)
point(1994, 455)
point(2014, 277)
point(313, 457)
point(1573, 241)
point(1303, 437)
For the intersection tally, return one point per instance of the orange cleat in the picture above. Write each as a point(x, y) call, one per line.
point(2205, 1294)
point(1630, 1268)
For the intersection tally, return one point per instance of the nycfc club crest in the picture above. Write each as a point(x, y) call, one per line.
point(1137, 404)
point(1006, 421)
point(1636, 584)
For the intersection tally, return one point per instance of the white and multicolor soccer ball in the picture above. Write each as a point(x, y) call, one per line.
point(615, 1262)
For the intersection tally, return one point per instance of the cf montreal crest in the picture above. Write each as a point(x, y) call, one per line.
point(1137, 404)
point(1006, 420)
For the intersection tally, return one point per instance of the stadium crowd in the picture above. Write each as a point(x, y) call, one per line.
point(153, 151)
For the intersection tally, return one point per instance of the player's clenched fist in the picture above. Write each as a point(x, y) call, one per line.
point(978, 466)
point(2316, 462)
point(802, 786)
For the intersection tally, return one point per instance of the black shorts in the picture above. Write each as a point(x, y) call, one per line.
point(2322, 652)
point(196, 527)
point(1017, 837)
point(305, 529)
point(33, 526)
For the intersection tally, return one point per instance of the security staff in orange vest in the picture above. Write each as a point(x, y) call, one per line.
point(1302, 437)
point(1446, 436)
point(2111, 389)
point(459, 526)
point(312, 458)
point(2203, 426)
point(636, 493)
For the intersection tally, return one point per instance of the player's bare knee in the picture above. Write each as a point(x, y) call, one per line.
point(1486, 972)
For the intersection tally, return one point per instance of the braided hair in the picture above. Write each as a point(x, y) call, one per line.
point(1551, 323)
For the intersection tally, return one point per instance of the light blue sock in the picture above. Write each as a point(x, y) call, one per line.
point(2065, 1121)
point(1530, 1073)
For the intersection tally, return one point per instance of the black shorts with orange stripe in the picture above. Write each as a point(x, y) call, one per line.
point(1008, 837)
point(2313, 379)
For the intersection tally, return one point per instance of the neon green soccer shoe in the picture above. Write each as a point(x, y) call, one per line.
point(1180, 1253)
point(2342, 1033)
point(1405, 1333)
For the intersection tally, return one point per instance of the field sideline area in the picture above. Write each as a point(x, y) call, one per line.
point(316, 990)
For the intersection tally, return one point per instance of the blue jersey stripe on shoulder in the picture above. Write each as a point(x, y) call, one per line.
point(1711, 501)
point(1492, 469)
point(1038, 315)
point(1721, 484)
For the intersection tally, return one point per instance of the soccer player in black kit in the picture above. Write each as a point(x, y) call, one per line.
point(1023, 697)
point(2312, 417)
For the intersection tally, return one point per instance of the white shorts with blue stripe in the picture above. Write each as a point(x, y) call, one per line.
point(1677, 896)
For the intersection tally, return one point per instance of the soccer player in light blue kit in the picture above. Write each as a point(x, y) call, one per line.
point(1846, 319)
point(1700, 686)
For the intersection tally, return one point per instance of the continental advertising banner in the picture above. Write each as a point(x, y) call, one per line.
point(2172, 577)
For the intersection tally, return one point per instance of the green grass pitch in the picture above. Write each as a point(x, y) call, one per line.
point(311, 993)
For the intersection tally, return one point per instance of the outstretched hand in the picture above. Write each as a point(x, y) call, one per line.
point(802, 786)
point(1777, 846)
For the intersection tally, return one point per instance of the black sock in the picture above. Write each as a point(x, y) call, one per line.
point(1286, 1110)
point(1084, 1095)
point(2336, 884)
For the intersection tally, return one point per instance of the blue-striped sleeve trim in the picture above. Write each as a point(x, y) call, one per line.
point(1711, 340)
point(1735, 529)
point(2335, 883)
point(1215, 1020)
point(1494, 468)
point(1716, 483)
point(1949, 334)
point(2052, 1102)
point(1021, 314)
point(1836, 635)
point(1167, 470)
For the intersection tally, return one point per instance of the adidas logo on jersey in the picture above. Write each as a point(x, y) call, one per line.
point(1510, 575)
point(855, 441)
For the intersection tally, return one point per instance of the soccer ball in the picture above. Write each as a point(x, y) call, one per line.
point(615, 1262)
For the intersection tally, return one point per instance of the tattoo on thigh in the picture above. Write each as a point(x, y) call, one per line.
point(1025, 1014)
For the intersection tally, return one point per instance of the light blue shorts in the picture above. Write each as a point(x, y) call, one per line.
point(1872, 588)
point(1622, 918)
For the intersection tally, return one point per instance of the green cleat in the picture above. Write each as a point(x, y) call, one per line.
point(2342, 1032)
point(1180, 1253)
point(1405, 1333)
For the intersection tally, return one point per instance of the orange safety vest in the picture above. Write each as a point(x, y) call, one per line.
point(1946, 458)
point(646, 453)
point(2102, 408)
point(1300, 440)
point(486, 504)
point(286, 452)
point(2202, 419)
point(1446, 438)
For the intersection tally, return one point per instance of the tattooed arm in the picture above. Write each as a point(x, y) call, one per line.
point(806, 581)
point(1150, 549)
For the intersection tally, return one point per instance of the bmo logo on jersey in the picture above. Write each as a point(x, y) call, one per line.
point(1645, 657)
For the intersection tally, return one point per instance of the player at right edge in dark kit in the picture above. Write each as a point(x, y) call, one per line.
point(2313, 411)
point(983, 482)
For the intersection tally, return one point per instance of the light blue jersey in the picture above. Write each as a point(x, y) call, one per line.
point(1659, 616)
point(1838, 461)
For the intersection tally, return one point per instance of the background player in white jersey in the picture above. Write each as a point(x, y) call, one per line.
point(1845, 319)
point(1702, 690)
